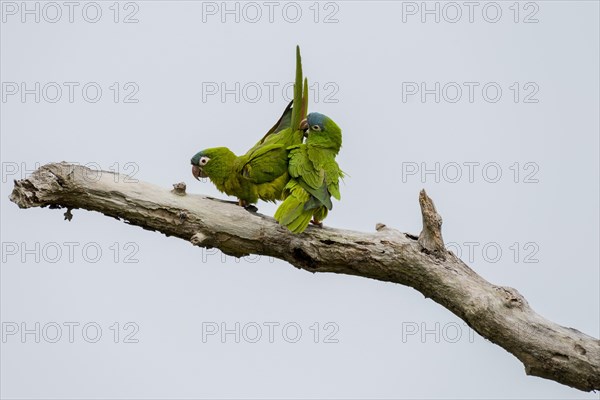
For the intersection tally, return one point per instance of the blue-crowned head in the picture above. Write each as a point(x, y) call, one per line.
point(316, 122)
point(322, 130)
point(208, 162)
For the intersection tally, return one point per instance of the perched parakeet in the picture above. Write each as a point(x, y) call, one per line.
point(262, 172)
point(314, 175)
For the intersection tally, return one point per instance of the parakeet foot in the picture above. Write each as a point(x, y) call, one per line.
point(317, 223)
point(252, 208)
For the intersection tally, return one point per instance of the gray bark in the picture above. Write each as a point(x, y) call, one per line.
point(500, 314)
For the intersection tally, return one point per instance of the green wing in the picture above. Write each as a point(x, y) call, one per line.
point(302, 168)
point(309, 177)
point(333, 173)
point(319, 197)
point(283, 123)
point(264, 164)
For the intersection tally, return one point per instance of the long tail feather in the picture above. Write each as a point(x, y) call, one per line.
point(304, 110)
point(291, 212)
point(297, 110)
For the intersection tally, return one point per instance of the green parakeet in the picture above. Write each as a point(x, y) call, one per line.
point(314, 175)
point(262, 172)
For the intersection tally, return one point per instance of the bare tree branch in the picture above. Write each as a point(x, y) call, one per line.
point(497, 313)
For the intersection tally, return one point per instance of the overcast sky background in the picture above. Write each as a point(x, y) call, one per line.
point(365, 63)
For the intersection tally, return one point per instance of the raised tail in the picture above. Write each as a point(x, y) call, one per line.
point(292, 213)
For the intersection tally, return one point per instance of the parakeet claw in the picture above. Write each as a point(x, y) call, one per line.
point(316, 223)
point(248, 207)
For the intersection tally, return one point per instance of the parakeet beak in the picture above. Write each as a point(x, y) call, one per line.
point(304, 124)
point(304, 127)
point(198, 172)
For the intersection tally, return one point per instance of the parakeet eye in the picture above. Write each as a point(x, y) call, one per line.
point(315, 128)
point(204, 160)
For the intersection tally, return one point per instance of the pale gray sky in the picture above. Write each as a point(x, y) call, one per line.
point(519, 99)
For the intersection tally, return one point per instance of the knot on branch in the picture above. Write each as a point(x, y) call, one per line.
point(512, 298)
point(387, 231)
point(200, 239)
point(430, 238)
point(179, 188)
